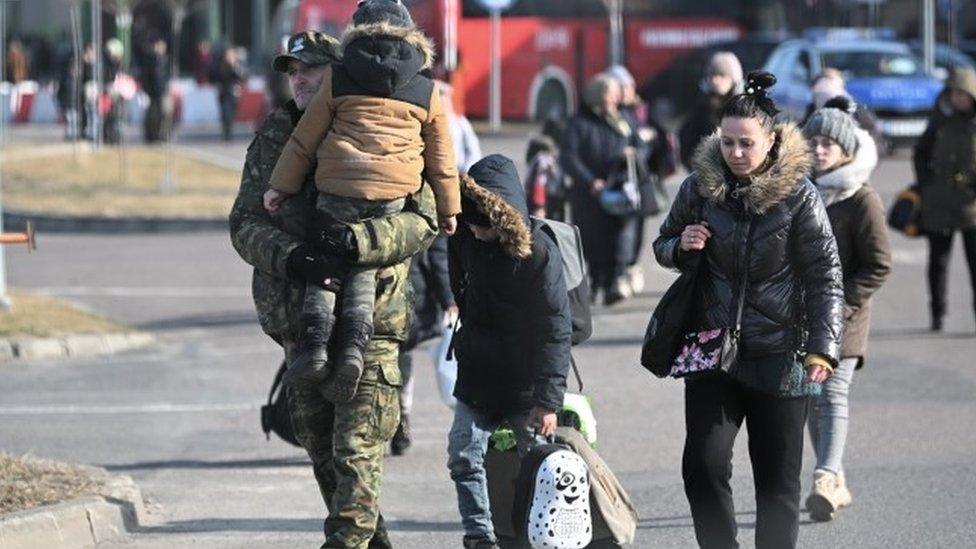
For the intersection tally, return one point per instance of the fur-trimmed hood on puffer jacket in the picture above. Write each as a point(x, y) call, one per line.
point(515, 336)
point(773, 232)
point(384, 58)
point(789, 168)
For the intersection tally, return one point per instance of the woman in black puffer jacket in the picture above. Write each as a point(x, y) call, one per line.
point(749, 213)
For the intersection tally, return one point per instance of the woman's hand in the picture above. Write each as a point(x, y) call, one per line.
point(817, 373)
point(597, 186)
point(694, 237)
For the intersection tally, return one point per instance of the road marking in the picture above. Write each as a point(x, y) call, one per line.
point(158, 408)
point(910, 257)
point(134, 291)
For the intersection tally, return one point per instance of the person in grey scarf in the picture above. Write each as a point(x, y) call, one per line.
point(844, 156)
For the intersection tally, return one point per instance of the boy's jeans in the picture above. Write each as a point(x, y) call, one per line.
point(466, 448)
point(829, 417)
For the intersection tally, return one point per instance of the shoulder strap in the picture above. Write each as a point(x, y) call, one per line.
point(576, 372)
point(277, 382)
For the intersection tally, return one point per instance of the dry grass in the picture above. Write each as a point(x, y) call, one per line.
point(27, 482)
point(93, 184)
point(41, 316)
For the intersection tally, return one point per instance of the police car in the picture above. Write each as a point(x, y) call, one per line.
point(882, 74)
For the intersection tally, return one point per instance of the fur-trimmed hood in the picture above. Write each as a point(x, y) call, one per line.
point(789, 167)
point(494, 187)
point(384, 58)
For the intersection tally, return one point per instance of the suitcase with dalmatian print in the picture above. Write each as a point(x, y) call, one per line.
point(552, 499)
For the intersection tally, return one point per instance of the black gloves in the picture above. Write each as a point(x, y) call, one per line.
point(335, 238)
point(309, 264)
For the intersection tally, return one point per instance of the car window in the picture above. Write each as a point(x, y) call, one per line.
point(873, 64)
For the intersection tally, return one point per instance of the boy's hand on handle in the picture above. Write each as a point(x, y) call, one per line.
point(694, 237)
point(448, 224)
point(543, 421)
point(273, 199)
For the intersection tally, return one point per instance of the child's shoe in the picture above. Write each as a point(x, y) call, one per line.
point(311, 366)
point(353, 339)
point(479, 543)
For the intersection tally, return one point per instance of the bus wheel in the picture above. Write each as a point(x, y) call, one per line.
point(551, 102)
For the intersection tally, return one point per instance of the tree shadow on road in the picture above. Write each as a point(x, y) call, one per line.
point(201, 464)
point(207, 525)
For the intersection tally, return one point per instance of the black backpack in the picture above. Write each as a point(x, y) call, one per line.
point(567, 237)
point(274, 415)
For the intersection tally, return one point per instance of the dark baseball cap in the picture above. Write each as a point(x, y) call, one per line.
point(310, 47)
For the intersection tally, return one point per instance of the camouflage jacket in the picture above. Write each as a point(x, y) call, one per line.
point(264, 240)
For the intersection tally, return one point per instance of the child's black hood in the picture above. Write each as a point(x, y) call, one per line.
point(384, 58)
point(493, 185)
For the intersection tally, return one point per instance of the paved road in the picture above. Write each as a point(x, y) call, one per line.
point(182, 416)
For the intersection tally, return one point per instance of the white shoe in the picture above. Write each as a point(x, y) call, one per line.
point(828, 496)
point(635, 276)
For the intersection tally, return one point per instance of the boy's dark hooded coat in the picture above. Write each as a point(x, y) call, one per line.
point(513, 347)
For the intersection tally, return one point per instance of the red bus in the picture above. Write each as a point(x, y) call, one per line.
point(549, 47)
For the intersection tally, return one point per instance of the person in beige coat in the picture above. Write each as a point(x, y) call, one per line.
point(376, 129)
point(844, 156)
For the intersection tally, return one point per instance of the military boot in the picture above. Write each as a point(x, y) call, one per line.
point(352, 339)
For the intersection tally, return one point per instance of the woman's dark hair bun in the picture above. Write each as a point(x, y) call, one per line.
point(842, 102)
point(755, 101)
point(758, 82)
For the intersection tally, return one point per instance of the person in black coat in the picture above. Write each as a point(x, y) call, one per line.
point(594, 148)
point(228, 75)
point(513, 346)
point(750, 220)
point(721, 81)
point(155, 82)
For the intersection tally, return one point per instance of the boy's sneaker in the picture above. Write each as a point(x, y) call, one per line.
point(311, 364)
point(829, 495)
point(479, 543)
point(353, 339)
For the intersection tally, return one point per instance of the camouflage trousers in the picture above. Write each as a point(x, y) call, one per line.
point(346, 443)
point(357, 301)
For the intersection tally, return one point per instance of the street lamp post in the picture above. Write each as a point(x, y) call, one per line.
point(928, 35)
point(495, 9)
point(4, 298)
point(495, 109)
point(96, 21)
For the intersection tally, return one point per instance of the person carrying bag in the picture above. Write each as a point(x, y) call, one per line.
point(758, 314)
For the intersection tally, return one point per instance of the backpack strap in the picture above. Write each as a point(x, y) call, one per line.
point(576, 372)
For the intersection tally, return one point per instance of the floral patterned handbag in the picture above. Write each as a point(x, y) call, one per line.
point(715, 349)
